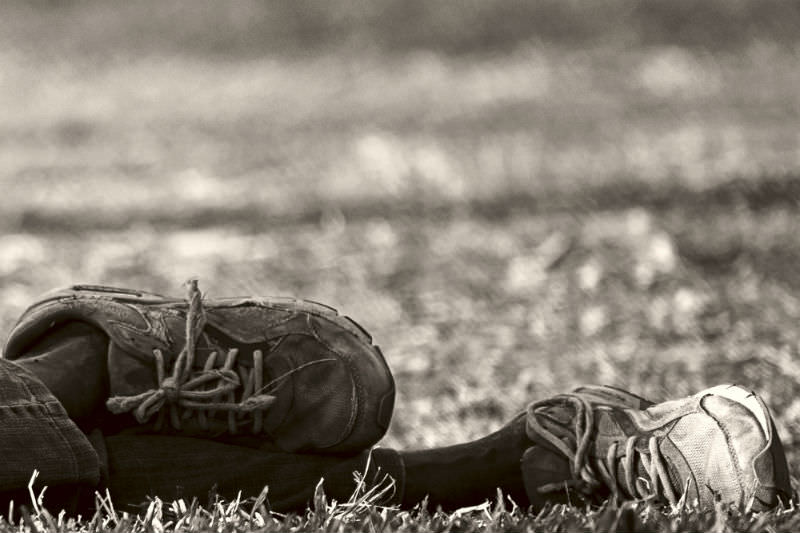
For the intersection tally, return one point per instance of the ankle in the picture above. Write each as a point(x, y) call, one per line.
point(460, 475)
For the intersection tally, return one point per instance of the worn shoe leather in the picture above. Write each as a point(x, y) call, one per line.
point(294, 372)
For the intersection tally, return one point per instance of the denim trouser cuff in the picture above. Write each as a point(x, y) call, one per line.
point(38, 435)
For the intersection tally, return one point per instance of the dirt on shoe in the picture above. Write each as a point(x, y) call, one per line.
point(289, 372)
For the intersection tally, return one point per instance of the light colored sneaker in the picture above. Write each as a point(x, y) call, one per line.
point(719, 443)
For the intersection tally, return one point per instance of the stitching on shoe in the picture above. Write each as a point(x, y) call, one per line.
point(358, 386)
point(182, 389)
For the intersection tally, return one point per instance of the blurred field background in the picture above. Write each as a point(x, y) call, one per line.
point(514, 197)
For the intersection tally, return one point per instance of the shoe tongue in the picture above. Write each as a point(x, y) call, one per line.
point(133, 372)
point(129, 373)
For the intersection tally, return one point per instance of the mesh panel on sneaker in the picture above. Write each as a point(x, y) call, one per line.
point(692, 436)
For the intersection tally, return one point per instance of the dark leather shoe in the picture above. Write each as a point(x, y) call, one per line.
point(295, 372)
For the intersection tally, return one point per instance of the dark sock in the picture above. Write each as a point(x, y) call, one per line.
point(71, 361)
point(467, 474)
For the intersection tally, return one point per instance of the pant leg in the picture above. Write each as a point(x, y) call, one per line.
point(135, 465)
point(170, 467)
point(37, 434)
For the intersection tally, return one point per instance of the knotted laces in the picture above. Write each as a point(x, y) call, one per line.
point(591, 473)
point(187, 391)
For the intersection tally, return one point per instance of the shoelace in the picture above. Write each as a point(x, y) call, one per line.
point(192, 392)
point(588, 473)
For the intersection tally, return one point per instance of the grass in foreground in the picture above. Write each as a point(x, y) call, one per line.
point(360, 514)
